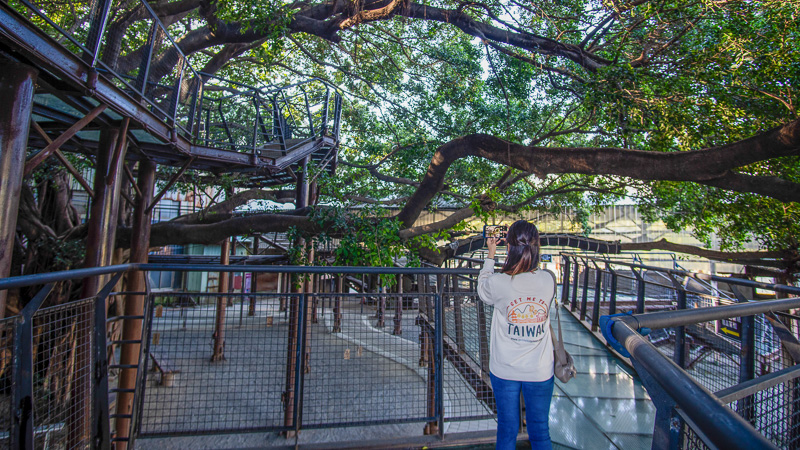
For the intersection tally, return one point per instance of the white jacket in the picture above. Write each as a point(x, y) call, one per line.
point(521, 346)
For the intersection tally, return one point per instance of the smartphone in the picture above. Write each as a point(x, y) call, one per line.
point(496, 231)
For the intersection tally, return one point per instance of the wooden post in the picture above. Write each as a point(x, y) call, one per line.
point(398, 308)
point(381, 313)
point(337, 308)
point(102, 226)
point(291, 357)
point(310, 309)
point(134, 303)
point(283, 287)
point(253, 281)
point(100, 244)
point(219, 327)
point(17, 85)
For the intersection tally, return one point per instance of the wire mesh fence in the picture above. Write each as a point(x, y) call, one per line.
point(188, 392)
point(325, 359)
point(363, 361)
point(7, 387)
point(721, 355)
point(62, 373)
point(775, 413)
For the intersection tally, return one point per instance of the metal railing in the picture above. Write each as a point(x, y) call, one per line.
point(710, 342)
point(292, 360)
point(425, 343)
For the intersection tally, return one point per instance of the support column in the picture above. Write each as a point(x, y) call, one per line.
point(104, 209)
point(222, 302)
point(16, 95)
point(100, 244)
point(290, 415)
point(135, 303)
point(251, 311)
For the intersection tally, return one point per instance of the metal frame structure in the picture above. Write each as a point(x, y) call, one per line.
point(685, 407)
point(689, 414)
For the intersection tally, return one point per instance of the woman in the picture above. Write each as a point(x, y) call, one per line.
point(521, 355)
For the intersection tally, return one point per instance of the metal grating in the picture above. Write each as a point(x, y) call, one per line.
point(7, 329)
point(187, 393)
point(363, 361)
point(62, 377)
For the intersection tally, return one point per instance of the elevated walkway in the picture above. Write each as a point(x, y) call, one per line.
point(168, 112)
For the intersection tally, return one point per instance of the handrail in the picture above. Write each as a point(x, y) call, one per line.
point(669, 319)
point(722, 425)
point(44, 278)
point(700, 276)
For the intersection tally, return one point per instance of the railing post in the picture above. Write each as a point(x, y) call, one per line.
point(668, 425)
point(277, 125)
point(458, 319)
point(680, 332)
point(483, 337)
point(640, 285)
point(172, 113)
point(308, 113)
point(424, 357)
point(428, 359)
point(324, 126)
point(612, 302)
point(96, 31)
point(747, 364)
point(101, 427)
point(598, 286)
point(439, 363)
point(585, 293)
point(293, 357)
point(574, 305)
point(22, 422)
point(300, 362)
point(191, 124)
point(337, 118)
point(147, 56)
point(565, 279)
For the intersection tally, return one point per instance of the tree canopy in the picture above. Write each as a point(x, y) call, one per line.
point(690, 108)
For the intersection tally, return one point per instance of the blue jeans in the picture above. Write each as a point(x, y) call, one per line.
point(537, 411)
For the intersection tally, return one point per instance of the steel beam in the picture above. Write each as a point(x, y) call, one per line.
point(16, 94)
point(169, 184)
point(40, 157)
point(64, 161)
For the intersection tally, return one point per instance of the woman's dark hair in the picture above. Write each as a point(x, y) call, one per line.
point(523, 248)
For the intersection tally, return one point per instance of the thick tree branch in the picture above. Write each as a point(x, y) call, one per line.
point(765, 258)
point(223, 210)
point(711, 166)
point(178, 233)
